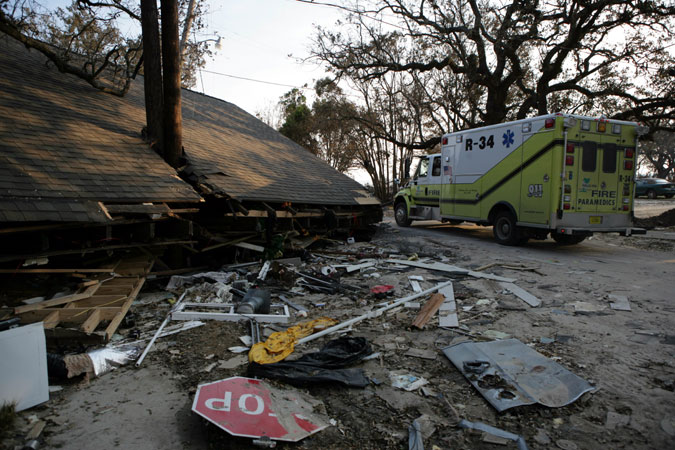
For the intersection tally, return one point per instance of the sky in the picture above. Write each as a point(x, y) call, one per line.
point(259, 37)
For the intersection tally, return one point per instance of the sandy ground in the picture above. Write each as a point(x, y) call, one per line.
point(626, 356)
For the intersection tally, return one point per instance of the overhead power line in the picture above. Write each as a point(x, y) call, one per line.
point(257, 81)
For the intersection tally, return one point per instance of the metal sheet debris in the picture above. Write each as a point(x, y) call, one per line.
point(516, 374)
point(254, 408)
point(522, 294)
point(226, 312)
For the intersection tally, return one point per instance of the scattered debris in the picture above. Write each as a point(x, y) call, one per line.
point(280, 344)
point(327, 365)
point(419, 353)
point(495, 432)
point(620, 302)
point(415, 440)
point(428, 310)
point(406, 381)
point(586, 308)
point(447, 313)
point(522, 294)
point(517, 375)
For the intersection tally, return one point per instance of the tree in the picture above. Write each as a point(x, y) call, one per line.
point(335, 126)
point(660, 154)
point(84, 39)
point(77, 41)
point(506, 60)
point(298, 121)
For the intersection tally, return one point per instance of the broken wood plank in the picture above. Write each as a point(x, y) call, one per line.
point(428, 310)
point(522, 294)
point(58, 301)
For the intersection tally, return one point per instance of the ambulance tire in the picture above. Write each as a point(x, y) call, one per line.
point(505, 230)
point(401, 215)
point(567, 239)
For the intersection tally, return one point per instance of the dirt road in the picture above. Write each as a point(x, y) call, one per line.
point(626, 355)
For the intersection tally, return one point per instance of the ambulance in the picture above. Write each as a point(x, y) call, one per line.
point(560, 174)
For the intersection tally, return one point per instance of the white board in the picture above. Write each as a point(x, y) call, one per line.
point(23, 371)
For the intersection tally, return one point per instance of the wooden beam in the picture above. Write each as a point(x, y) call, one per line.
point(51, 320)
point(115, 322)
point(67, 315)
point(92, 321)
point(58, 301)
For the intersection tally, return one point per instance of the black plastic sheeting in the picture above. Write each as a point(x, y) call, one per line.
point(325, 366)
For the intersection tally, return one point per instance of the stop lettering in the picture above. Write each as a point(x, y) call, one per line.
point(252, 408)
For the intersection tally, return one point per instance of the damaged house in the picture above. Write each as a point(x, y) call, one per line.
point(82, 194)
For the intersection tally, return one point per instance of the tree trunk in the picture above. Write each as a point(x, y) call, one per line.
point(189, 17)
point(173, 133)
point(152, 76)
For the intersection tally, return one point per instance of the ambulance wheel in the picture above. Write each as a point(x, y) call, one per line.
point(401, 215)
point(567, 239)
point(651, 194)
point(505, 230)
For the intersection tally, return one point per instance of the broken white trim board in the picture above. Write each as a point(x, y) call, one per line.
point(23, 371)
point(447, 313)
point(521, 294)
point(449, 269)
point(620, 303)
point(415, 283)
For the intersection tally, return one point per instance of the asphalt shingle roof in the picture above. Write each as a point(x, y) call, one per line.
point(62, 139)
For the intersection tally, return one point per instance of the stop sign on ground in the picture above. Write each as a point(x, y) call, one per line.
point(252, 408)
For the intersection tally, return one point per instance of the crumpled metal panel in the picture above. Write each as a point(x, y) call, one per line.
point(508, 373)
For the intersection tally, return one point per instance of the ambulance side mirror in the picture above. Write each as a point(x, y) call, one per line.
point(406, 170)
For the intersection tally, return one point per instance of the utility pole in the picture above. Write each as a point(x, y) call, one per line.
point(171, 60)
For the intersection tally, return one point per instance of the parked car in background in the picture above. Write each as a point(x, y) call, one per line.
point(653, 187)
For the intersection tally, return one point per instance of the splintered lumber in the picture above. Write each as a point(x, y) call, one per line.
point(95, 317)
point(522, 294)
point(87, 293)
point(429, 309)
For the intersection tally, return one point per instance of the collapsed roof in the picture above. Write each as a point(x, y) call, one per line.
point(67, 148)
